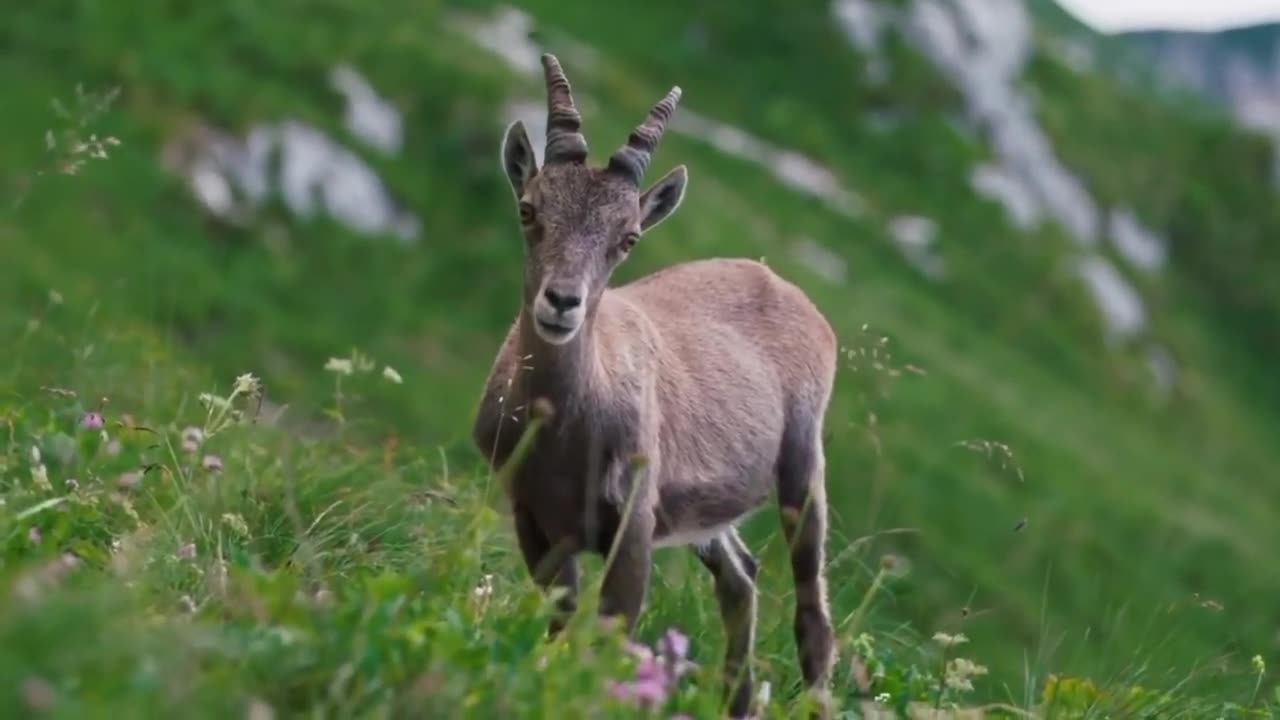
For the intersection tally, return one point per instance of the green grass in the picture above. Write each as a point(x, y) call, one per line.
point(1125, 541)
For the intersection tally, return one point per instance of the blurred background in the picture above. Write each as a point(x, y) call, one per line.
point(1045, 233)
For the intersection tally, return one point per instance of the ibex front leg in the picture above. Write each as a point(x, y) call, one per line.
point(551, 566)
point(629, 558)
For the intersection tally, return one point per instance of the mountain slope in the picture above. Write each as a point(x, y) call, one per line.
point(1056, 294)
point(1237, 68)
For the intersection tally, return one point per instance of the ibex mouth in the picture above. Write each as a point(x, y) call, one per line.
point(554, 333)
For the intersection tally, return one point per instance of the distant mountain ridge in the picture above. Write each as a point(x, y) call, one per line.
point(1239, 68)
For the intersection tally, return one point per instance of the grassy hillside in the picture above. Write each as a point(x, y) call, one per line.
point(996, 467)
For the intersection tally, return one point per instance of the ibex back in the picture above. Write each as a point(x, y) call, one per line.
point(716, 372)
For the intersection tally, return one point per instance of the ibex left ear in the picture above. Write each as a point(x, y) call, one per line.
point(518, 160)
point(658, 202)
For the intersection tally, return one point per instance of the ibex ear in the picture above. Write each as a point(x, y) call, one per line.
point(517, 157)
point(658, 202)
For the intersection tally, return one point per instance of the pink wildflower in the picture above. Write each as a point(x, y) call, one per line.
point(33, 535)
point(212, 463)
point(91, 421)
point(191, 439)
point(656, 673)
point(187, 551)
point(675, 644)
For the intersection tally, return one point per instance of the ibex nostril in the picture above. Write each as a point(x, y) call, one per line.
point(562, 301)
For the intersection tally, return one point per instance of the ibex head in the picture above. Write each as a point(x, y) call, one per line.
point(580, 222)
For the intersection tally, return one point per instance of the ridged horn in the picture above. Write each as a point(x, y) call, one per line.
point(565, 142)
point(632, 160)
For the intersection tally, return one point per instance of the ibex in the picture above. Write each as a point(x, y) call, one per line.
point(716, 372)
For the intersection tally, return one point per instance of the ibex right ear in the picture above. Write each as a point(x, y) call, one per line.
point(517, 157)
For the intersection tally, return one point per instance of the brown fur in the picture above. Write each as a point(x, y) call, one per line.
point(717, 372)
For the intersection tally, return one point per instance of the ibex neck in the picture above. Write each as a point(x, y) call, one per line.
point(562, 374)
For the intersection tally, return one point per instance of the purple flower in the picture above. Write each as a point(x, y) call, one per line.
point(91, 421)
point(675, 644)
point(187, 551)
point(212, 463)
point(647, 692)
point(33, 535)
point(191, 439)
point(656, 673)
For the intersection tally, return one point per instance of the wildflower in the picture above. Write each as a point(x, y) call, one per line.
point(648, 688)
point(884, 698)
point(33, 535)
point(211, 463)
point(247, 384)
point(35, 455)
point(40, 476)
point(959, 673)
point(657, 672)
point(91, 421)
point(191, 439)
point(946, 640)
point(114, 447)
point(130, 479)
point(390, 373)
point(764, 693)
point(484, 588)
point(187, 551)
point(72, 484)
point(675, 643)
point(187, 604)
point(342, 366)
point(1259, 665)
point(236, 523)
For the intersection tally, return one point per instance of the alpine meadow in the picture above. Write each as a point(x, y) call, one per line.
point(264, 272)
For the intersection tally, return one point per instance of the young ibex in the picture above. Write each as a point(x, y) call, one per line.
point(716, 372)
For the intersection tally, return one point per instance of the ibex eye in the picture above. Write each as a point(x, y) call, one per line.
point(526, 213)
point(629, 240)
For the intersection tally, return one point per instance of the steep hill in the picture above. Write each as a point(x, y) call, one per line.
point(1237, 68)
point(1056, 293)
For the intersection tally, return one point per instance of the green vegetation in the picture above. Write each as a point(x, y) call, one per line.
point(996, 469)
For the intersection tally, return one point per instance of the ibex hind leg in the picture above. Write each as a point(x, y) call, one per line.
point(803, 504)
point(734, 570)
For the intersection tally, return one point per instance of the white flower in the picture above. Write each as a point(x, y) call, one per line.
point(247, 384)
point(236, 522)
point(40, 476)
point(484, 588)
point(946, 640)
point(341, 366)
point(959, 671)
point(390, 373)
